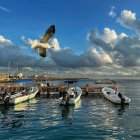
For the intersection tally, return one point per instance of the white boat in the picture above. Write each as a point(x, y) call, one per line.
point(22, 97)
point(73, 95)
point(114, 96)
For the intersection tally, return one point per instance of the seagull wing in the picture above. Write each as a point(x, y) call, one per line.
point(48, 34)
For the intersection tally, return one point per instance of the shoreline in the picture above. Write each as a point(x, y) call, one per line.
point(5, 79)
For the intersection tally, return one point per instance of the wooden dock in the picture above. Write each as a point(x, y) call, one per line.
point(55, 90)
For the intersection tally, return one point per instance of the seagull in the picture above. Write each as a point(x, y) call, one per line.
point(42, 45)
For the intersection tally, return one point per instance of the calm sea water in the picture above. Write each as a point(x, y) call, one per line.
point(92, 118)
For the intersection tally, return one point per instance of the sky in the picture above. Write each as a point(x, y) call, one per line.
point(89, 34)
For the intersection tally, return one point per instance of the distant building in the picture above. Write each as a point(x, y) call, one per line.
point(20, 75)
point(35, 76)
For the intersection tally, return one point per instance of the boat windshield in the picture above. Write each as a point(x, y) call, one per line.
point(108, 92)
point(71, 96)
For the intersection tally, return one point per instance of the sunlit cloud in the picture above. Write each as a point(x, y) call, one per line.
point(5, 42)
point(124, 50)
point(90, 58)
point(128, 19)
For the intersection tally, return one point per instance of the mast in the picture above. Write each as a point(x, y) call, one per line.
point(17, 74)
point(9, 69)
point(35, 75)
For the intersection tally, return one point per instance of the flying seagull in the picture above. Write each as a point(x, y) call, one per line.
point(42, 45)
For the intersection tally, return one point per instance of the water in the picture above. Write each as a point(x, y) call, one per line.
point(92, 118)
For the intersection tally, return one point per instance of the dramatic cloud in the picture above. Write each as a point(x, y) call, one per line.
point(109, 37)
point(112, 12)
point(108, 49)
point(129, 20)
point(123, 50)
point(66, 57)
point(91, 58)
point(9, 51)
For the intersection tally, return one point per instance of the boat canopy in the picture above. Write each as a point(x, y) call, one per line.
point(71, 81)
point(22, 80)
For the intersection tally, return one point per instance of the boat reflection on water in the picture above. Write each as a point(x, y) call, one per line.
point(65, 111)
point(4, 109)
point(113, 118)
point(14, 116)
point(68, 111)
point(11, 118)
point(121, 110)
point(114, 108)
point(25, 105)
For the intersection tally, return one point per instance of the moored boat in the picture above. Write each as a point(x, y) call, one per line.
point(114, 96)
point(71, 96)
point(23, 96)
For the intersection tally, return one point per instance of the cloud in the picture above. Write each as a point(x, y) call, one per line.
point(112, 12)
point(122, 49)
point(5, 42)
point(67, 57)
point(111, 37)
point(14, 53)
point(107, 49)
point(55, 44)
point(129, 20)
point(28, 41)
point(5, 9)
point(90, 58)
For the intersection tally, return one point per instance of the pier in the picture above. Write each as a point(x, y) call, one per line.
point(92, 90)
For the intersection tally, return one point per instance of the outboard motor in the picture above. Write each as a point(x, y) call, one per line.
point(5, 98)
point(122, 98)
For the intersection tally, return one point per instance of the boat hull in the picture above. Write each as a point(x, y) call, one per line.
point(19, 99)
point(112, 95)
point(72, 101)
